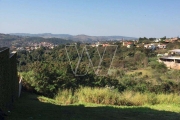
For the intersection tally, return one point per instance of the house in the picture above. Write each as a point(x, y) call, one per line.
point(175, 52)
point(150, 46)
point(93, 45)
point(104, 45)
point(172, 59)
point(162, 46)
point(157, 40)
point(174, 39)
point(167, 40)
point(171, 40)
point(97, 44)
point(128, 44)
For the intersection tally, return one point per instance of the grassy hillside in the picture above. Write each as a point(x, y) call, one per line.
point(31, 106)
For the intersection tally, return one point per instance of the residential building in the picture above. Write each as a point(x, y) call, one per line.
point(150, 46)
point(162, 46)
point(172, 59)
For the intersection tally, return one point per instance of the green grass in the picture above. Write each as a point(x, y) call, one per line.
point(31, 106)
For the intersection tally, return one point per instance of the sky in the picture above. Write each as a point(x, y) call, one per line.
point(132, 18)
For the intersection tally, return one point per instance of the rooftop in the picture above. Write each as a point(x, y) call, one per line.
point(175, 50)
point(171, 57)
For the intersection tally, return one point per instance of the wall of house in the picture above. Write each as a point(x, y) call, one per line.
point(172, 65)
point(8, 79)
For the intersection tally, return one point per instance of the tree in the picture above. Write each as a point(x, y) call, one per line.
point(163, 38)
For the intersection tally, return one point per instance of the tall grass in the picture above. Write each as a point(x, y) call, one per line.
point(113, 97)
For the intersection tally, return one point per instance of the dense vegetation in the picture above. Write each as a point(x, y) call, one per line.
point(136, 69)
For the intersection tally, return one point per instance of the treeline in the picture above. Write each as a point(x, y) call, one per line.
point(50, 40)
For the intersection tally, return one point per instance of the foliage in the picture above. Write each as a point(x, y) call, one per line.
point(159, 67)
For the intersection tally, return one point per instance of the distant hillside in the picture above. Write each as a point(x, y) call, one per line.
point(82, 38)
point(7, 40)
point(44, 35)
point(51, 40)
point(99, 38)
point(9, 37)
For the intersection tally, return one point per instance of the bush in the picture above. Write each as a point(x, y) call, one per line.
point(160, 67)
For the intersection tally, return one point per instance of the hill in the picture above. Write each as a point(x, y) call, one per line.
point(44, 35)
point(82, 38)
point(7, 40)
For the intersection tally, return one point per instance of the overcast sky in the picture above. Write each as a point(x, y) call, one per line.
point(133, 18)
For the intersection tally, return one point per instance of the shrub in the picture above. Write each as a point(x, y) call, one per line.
point(160, 67)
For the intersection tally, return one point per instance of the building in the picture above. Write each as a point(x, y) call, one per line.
point(150, 46)
point(172, 59)
point(125, 43)
point(157, 40)
point(99, 44)
point(171, 40)
point(104, 45)
point(162, 46)
point(128, 44)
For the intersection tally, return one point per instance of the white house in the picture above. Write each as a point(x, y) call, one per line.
point(162, 46)
point(157, 40)
point(150, 46)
